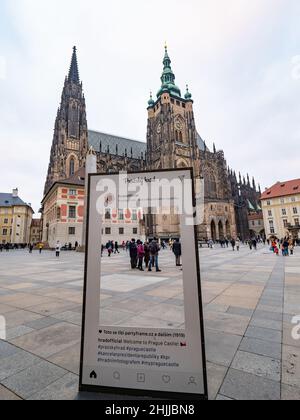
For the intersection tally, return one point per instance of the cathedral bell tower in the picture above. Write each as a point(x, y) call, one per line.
point(171, 134)
point(70, 140)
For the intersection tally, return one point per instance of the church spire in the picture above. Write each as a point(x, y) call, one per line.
point(73, 72)
point(168, 78)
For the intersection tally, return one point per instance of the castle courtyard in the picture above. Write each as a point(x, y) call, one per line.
point(250, 299)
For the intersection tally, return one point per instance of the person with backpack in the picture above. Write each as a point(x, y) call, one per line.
point(154, 252)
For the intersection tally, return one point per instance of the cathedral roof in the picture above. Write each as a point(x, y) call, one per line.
point(119, 145)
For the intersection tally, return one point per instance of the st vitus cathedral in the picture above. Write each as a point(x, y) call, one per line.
point(172, 142)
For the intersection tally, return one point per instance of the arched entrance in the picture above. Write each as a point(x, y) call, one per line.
point(221, 230)
point(213, 231)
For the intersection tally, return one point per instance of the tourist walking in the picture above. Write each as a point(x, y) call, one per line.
point(30, 248)
point(41, 246)
point(117, 248)
point(238, 244)
point(233, 244)
point(177, 252)
point(154, 252)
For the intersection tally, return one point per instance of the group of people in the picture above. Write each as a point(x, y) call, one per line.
point(286, 246)
point(144, 255)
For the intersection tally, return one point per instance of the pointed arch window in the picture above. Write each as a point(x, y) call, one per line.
point(72, 167)
point(73, 122)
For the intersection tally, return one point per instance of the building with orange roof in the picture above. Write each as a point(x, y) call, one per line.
point(281, 209)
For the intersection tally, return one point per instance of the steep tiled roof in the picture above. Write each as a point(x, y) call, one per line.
point(119, 145)
point(282, 189)
point(7, 200)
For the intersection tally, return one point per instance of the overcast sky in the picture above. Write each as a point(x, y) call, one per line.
point(240, 58)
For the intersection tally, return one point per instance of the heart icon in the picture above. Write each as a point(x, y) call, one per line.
point(166, 379)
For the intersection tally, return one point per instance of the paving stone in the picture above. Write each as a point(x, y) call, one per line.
point(51, 340)
point(7, 349)
point(17, 332)
point(6, 395)
point(42, 323)
point(257, 365)
point(16, 363)
point(222, 398)
point(291, 366)
point(221, 348)
point(247, 387)
point(65, 388)
point(215, 376)
point(68, 359)
point(261, 347)
point(240, 311)
point(266, 323)
point(290, 393)
point(264, 334)
point(34, 379)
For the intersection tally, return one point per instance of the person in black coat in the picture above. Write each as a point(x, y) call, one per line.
point(177, 252)
point(133, 251)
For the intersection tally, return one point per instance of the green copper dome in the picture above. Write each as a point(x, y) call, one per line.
point(151, 102)
point(168, 78)
point(188, 96)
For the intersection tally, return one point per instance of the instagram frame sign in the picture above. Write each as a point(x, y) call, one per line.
point(128, 357)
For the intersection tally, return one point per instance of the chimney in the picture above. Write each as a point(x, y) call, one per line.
point(15, 193)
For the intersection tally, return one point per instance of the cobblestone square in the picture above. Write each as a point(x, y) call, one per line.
point(250, 299)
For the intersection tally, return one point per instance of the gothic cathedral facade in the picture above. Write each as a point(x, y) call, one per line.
point(172, 142)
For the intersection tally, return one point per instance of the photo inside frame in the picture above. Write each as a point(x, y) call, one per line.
point(134, 242)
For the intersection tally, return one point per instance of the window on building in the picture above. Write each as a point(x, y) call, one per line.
point(282, 200)
point(268, 203)
point(134, 215)
point(285, 223)
point(293, 199)
point(107, 214)
point(121, 231)
point(5, 221)
point(253, 223)
point(270, 213)
point(272, 230)
point(4, 232)
point(107, 231)
point(72, 192)
point(283, 212)
point(295, 210)
point(297, 222)
point(72, 212)
point(135, 231)
point(72, 231)
point(121, 214)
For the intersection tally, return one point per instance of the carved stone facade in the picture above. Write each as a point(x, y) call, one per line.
point(172, 142)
